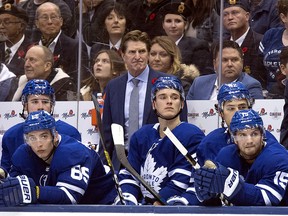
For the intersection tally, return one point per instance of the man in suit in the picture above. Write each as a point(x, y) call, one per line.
point(14, 43)
point(65, 49)
point(236, 20)
point(135, 47)
point(39, 65)
point(206, 87)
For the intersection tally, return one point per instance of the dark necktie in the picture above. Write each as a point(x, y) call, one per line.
point(133, 109)
point(7, 55)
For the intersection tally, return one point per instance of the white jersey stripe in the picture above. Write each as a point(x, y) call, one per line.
point(181, 171)
point(271, 190)
point(180, 184)
point(265, 198)
point(71, 187)
point(73, 201)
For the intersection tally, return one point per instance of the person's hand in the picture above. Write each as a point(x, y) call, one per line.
point(18, 190)
point(129, 199)
point(177, 200)
point(3, 173)
point(218, 180)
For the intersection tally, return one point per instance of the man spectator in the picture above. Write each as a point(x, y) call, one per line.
point(37, 95)
point(38, 169)
point(66, 13)
point(135, 47)
point(236, 21)
point(206, 87)
point(65, 49)
point(14, 43)
point(39, 62)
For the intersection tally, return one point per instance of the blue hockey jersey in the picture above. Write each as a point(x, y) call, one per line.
point(265, 180)
point(159, 162)
point(75, 174)
point(14, 137)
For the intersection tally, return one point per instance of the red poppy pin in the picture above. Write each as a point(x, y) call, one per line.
point(154, 80)
point(21, 54)
point(56, 58)
point(152, 16)
point(244, 49)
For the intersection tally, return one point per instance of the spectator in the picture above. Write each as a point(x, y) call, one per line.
point(284, 124)
point(153, 155)
point(264, 15)
point(8, 83)
point(37, 95)
point(165, 56)
point(90, 16)
point(31, 6)
point(193, 50)
point(14, 43)
point(39, 65)
point(236, 21)
point(206, 87)
point(245, 174)
point(135, 47)
point(113, 24)
point(204, 20)
point(64, 48)
point(270, 47)
point(145, 16)
point(107, 65)
point(77, 179)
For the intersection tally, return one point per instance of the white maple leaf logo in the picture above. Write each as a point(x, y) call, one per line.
point(154, 177)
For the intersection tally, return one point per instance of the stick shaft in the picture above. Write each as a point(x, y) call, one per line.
point(181, 148)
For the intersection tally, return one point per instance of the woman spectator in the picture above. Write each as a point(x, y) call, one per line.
point(193, 50)
point(204, 20)
point(165, 56)
point(271, 45)
point(107, 65)
point(114, 24)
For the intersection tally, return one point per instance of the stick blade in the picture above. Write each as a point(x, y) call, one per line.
point(117, 134)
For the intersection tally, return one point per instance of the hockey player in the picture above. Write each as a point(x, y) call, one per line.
point(37, 95)
point(54, 168)
point(231, 98)
point(252, 172)
point(153, 155)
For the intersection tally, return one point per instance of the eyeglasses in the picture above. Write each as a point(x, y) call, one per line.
point(7, 22)
point(45, 18)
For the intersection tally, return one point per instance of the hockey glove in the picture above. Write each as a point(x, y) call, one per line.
point(219, 180)
point(202, 194)
point(129, 199)
point(177, 200)
point(17, 191)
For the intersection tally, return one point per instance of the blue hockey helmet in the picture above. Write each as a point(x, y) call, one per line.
point(232, 91)
point(245, 119)
point(168, 82)
point(37, 87)
point(39, 120)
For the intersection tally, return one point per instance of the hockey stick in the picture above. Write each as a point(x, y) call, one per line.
point(101, 135)
point(181, 148)
point(208, 163)
point(118, 138)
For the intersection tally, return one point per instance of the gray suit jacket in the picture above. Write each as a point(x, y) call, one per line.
point(203, 86)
